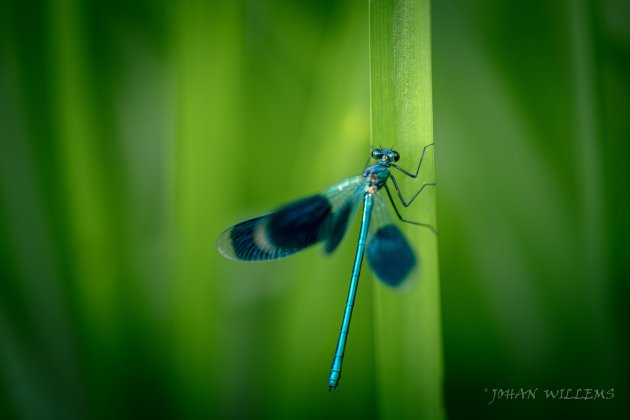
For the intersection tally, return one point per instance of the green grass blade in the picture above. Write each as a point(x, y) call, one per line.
point(207, 52)
point(408, 327)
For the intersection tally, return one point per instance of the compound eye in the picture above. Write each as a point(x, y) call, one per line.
point(376, 154)
point(395, 156)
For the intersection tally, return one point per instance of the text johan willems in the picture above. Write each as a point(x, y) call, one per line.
point(550, 394)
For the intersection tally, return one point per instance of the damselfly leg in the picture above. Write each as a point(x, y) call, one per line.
point(424, 149)
point(400, 196)
point(402, 219)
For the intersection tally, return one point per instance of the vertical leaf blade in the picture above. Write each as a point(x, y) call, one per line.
point(408, 324)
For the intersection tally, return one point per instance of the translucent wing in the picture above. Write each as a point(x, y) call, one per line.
point(321, 217)
point(389, 254)
point(345, 199)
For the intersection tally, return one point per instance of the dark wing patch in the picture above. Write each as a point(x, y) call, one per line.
point(299, 224)
point(339, 227)
point(390, 256)
point(279, 234)
point(242, 237)
point(247, 241)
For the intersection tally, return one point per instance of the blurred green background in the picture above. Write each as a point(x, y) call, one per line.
point(132, 133)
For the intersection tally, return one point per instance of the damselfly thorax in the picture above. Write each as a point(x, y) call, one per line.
point(375, 176)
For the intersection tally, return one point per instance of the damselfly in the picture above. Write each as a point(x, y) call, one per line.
point(324, 218)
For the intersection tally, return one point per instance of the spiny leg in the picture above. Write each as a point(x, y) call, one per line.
point(402, 200)
point(402, 219)
point(424, 149)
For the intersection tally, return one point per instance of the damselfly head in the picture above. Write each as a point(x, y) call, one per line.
point(387, 155)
